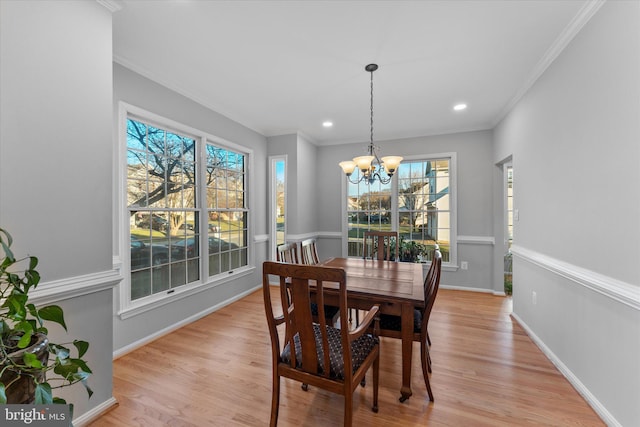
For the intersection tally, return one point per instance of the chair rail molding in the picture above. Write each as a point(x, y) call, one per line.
point(477, 240)
point(330, 234)
point(314, 235)
point(618, 290)
point(261, 238)
point(71, 287)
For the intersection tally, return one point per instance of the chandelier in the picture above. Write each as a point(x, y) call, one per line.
point(371, 166)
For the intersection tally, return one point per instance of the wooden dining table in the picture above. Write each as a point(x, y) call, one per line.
point(397, 287)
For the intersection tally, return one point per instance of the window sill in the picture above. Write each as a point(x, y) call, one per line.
point(156, 301)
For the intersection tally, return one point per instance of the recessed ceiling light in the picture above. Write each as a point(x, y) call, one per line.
point(327, 124)
point(460, 107)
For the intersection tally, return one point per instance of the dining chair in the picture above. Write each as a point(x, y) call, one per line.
point(316, 353)
point(287, 252)
point(309, 252)
point(379, 243)
point(390, 325)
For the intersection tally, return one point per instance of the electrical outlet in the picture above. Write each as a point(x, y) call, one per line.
point(464, 265)
point(534, 297)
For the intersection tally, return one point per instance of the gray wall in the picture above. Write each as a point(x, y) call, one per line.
point(575, 144)
point(573, 137)
point(475, 189)
point(307, 181)
point(141, 92)
point(55, 167)
point(301, 219)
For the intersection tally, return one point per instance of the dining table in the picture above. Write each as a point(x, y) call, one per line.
point(397, 287)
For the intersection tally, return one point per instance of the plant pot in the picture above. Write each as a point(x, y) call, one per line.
point(22, 391)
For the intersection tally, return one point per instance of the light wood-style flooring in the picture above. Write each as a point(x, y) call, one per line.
point(217, 372)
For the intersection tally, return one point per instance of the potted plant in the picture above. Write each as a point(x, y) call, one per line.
point(411, 251)
point(31, 366)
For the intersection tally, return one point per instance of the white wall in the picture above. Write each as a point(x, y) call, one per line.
point(575, 144)
point(55, 167)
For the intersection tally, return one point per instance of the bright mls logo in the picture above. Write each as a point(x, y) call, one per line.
point(35, 415)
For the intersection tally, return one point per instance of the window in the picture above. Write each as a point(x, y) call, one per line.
point(368, 208)
point(278, 203)
point(418, 203)
point(186, 208)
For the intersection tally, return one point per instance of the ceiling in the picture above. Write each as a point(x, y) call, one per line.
point(280, 67)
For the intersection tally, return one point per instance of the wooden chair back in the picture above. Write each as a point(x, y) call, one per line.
point(379, 243)
point(287, 252)
point(431, 286)
point(309, 252)
point(306, 350)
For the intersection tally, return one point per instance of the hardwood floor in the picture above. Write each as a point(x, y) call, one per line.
point(217, 372)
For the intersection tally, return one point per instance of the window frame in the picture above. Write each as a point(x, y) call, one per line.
point(453, 192)
point(128, 307)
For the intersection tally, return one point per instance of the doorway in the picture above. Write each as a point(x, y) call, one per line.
point(509, 218)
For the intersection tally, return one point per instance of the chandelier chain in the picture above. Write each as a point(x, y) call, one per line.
point(371, 168)
point(371, 136)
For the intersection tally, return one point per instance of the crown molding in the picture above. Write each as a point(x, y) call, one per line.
point(582, 17)
point(181, 91)
point(111, 5)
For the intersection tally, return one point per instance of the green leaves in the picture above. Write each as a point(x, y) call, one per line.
point(43, 394)
point(82, 347)
point(53, 313)
point(21, 322)
point(32, 361)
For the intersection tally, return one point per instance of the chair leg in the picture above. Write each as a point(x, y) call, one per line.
point(425, 357)
point(275, 400)
point(348, 408)
point(426, 367)
point(429, 390)
point(376, 377)
point(428, 339)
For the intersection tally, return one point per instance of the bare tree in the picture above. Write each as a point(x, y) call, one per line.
point(162, 167)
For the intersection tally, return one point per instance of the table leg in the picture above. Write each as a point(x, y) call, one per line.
point(407, 347)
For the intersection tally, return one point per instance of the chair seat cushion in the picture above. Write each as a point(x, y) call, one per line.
point(360, 349)
point(329, 310)
point(394, 323)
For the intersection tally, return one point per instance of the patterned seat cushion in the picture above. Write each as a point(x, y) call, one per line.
point(394, 323)
point(360, 349)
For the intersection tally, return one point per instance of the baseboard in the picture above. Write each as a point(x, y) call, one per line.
point(146, 340)
point(602, 412)
point(470, 289)
point(95, 413)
